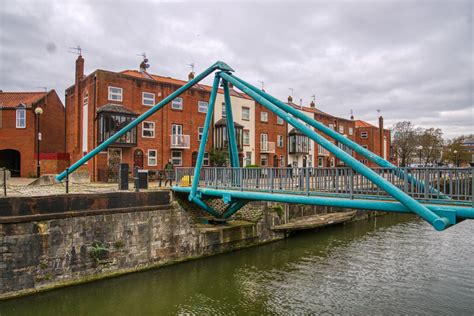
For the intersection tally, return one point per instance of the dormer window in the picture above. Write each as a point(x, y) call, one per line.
point(21, 116)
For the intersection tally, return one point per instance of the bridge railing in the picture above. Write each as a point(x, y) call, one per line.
point(457, 183)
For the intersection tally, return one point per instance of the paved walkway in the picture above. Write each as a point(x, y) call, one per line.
point(23, 187)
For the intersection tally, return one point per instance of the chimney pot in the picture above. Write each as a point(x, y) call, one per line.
point(312, 104)
point(191, 76)
point(290, 99)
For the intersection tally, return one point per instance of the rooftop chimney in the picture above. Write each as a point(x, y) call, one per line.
point(191, 76)
point(290, 99)
point(312, 104)
point(79, 68)
point(352, 115)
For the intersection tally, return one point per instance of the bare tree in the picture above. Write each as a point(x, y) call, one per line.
point(404, 141)
point(430, 141)
point(455, 152)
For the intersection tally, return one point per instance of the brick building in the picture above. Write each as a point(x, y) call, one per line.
point(270, 138)
point(19, 130)
point(372, 138)
point(101, 103)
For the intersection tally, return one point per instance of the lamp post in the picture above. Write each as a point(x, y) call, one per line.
point(456, 161)
point(38, 113)
point(420, 148)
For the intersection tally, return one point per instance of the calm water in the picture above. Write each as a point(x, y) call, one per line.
point(391, 265)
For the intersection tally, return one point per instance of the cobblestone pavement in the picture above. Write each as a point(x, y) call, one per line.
point(22, 187)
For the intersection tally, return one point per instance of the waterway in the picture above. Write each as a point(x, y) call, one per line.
point(394, 264)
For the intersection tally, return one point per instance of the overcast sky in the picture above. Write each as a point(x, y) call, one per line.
point(413, 60)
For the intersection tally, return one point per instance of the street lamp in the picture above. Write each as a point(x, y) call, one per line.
point(456, 162)
point(38, 112)
point(420, 148)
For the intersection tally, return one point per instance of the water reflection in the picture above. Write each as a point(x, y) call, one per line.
point(393, 264)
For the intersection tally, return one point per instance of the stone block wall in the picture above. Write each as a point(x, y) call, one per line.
point(41, 253)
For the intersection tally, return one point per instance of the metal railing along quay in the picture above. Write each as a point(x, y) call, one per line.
point(457, 183)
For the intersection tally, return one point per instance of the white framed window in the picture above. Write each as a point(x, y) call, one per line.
point(364, 135)
point(263, 160)
point(280, 121)
point(322, 151)
point(341, 129)
point(333, 161)
point(202, 106)
point(115, 94)
point(177, 158)
point(351, 131)
point(148, 98)
point(245, 113)
point(264, 116)
point(246, 137)
point(205, 160)
point(152, 157)
point(282, 161)
point(223, 110)
point(248, 158)
point(200, 131)
point(280, 141)
point(364, 161)
point(320, 162)
point(148, 129)
point(21, 118)
point(177, 104)
point(331, 126)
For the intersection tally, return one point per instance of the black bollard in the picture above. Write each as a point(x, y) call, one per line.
point(136, 180)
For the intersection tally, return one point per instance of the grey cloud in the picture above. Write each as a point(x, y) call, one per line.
point(411, 59)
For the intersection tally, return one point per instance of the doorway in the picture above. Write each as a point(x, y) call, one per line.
point(11, 159)
point(138, 158)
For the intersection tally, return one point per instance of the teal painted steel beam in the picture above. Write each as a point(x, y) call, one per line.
point(234, 208)
point(217, 66)
point(233, 151)
point(440, 223)
point(205, 135)
point(385, 206)
point(340, 138)
point(206, 207)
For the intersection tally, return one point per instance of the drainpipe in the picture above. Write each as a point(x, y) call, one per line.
point(381, 142)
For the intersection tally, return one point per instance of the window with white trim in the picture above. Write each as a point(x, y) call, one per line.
point(322, 151)
point(177, 158)
point(341, 129)
point(205, 160)
point(331, 126)
point(223, 110)
point(21, 118)
point(177, 104)
point(364, 135)
point(351, 131)
point(115, 94)
point(152, 157)
point(246, 137)
point(200, 131)
point(280, 121)
point(245, 113)
point(263, 116)
point(148, 98)
point(263, 160)
point(148, 129)
point(280, 141)
point(202, 106)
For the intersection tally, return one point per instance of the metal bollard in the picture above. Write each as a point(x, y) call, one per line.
point(67, 180)
point(5, 181)
point(136, 180)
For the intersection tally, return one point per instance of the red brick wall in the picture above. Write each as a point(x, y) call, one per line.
point(272, 129)
point(20, 139)
point(373, 144)
point(133, 88)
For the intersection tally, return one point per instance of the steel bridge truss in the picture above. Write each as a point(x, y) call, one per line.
point(440, 215)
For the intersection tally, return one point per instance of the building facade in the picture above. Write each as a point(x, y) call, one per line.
point(20, 134)
point(376, 139)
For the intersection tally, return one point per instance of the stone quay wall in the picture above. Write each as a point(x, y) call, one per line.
point(54, 241)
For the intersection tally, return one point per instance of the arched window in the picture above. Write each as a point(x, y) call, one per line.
point(21, 116)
